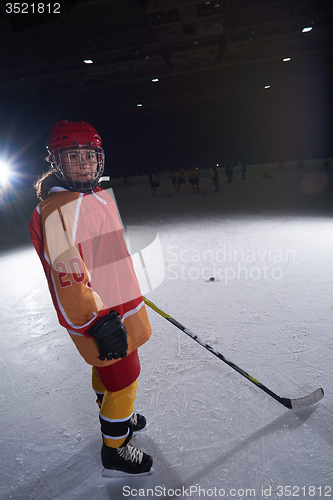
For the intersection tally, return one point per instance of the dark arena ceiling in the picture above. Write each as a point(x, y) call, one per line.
point(168, 56)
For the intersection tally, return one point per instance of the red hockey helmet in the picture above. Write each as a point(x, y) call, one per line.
point(76, 154)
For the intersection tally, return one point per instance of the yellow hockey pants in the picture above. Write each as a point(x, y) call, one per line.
point(116, 410)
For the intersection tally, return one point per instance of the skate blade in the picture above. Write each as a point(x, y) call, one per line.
point(140, 431)
point(118, 474)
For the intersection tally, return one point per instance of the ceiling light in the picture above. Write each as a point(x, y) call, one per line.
point(88, 61)
point(155, 80)
point(305, 30)
point(286, 59)
point(267, 87)
point(139, 105)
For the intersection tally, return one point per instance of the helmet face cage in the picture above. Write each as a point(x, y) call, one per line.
point(80, 167)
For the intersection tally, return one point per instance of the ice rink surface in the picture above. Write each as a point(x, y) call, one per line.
point(212, 434)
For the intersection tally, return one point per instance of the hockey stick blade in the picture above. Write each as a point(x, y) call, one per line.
point(118, 474)
point(310, 400)
point(291, 404)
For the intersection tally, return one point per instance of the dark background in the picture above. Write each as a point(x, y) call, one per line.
point(212, 59)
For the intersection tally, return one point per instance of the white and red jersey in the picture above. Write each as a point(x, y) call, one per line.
point(79, 240)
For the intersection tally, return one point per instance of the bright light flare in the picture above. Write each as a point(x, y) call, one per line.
point(4, 173)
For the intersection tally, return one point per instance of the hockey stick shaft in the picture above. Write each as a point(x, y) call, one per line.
point(164, 191)
point(210, 185)
point(288, 403)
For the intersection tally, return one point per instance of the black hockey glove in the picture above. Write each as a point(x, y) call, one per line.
point(111, 336)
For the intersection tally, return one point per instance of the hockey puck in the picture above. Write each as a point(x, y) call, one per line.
point(212, 278)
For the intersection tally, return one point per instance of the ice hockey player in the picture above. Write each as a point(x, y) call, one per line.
point(325, 164)
point(215, 177)
point(78, 237)
point(181, 179)
point(229, 172)
point(193, 177)
point(244, 171)
point(155, 182)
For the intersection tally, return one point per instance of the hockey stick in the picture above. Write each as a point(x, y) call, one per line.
point(210, 185)
point(167, 194)
point(291, 404)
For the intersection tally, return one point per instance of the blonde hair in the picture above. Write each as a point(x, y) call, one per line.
point(46, 181)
